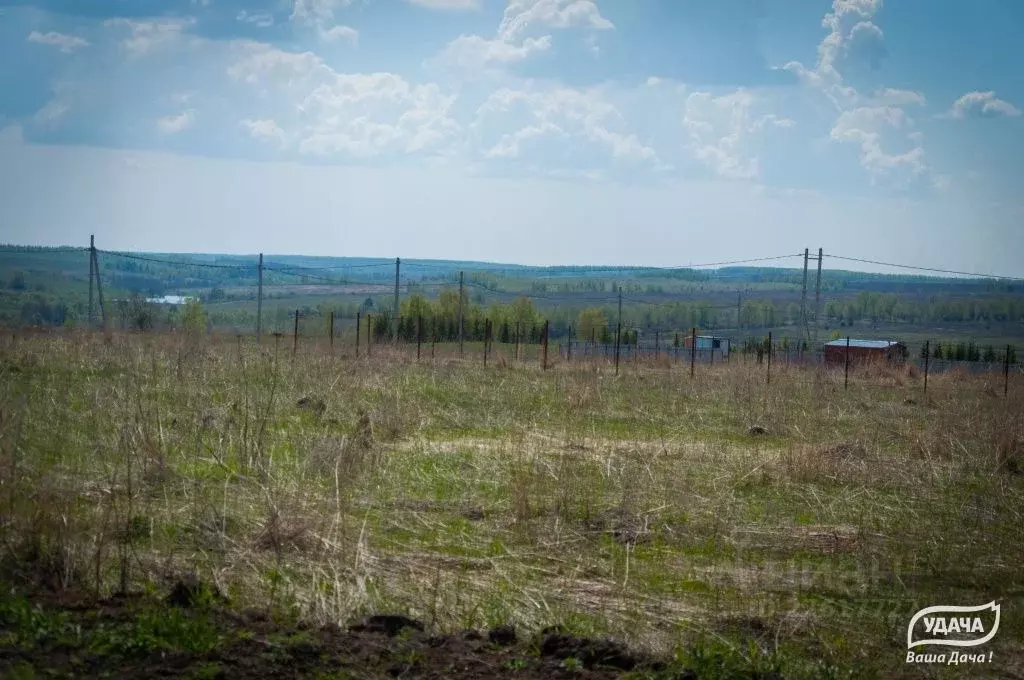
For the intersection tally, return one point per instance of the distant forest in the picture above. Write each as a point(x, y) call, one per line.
point(41, 286)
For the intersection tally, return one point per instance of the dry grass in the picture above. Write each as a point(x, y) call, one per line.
point(636, 505)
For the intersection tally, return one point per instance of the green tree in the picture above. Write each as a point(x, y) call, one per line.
point(140, 315)
point(193, 320)
point(591, 323)
point(18, 282)
point(524, 312)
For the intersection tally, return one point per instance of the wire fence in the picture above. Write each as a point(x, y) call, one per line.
point(359, 324)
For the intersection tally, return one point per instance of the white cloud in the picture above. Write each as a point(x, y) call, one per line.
point(316, 11)
point(864, 120)
point(654, 81)
point(577, 124)
point(52, 112)
point(340, 33)
point(509, 144)
point(259, 19)
point(65, 43)
point(512, 42)
point(982, 104)
point(448, 5)
point(523, 15)
point(147, 35)
point(312, 109)
point(866, 126)
point(720, 130)
point(262, 64)
point(265, 129)
point(170, 125)
point(322, 112)
point(474, 51)
point(365, 115)
point(888, 96)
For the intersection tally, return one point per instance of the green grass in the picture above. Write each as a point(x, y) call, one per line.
point(637, 506)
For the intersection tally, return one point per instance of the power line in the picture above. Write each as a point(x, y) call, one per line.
point(179, 263)
point(335, 267)
point(925, 269)
point(585, 269)
point(336, 282)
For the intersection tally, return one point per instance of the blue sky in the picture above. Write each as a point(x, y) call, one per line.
point(657, 132)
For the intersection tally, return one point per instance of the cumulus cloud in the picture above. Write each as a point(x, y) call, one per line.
point(261, 64)
point(365, 115)
point(259, 19)
point(148, 35)
point(65, 43)
point(474, 51)
point(523, 15)
point(316, 11)
point(265, 129)
point(170, 125)
point(447, 5)
point(720, 128)
point(984, 104)
point(559, 127)
point(868, 121)
point(888, 96)
point(865, 126)
point(523, 32)
point(340, 33)
point(316, 110)
point(319, 14)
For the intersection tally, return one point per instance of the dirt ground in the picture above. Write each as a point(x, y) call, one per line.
point(253, 646)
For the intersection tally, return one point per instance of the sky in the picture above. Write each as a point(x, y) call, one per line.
point(636, 132)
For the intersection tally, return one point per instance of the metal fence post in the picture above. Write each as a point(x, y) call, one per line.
point(693, 349)
point(545, 360)
point(1006, 372)
point(927, 355)
point(846, 369)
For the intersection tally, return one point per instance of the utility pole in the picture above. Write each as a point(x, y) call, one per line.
point(803, 298)
point(394, 333)
point(259, 301)
point(461, 325)
point(99, 284)
point(92, 276)
point(817, 299)
point(618, 333)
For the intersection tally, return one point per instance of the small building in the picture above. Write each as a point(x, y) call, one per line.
point(706, 343)
point(860, 351)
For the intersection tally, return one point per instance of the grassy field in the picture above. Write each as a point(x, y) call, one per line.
point(728, 524)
